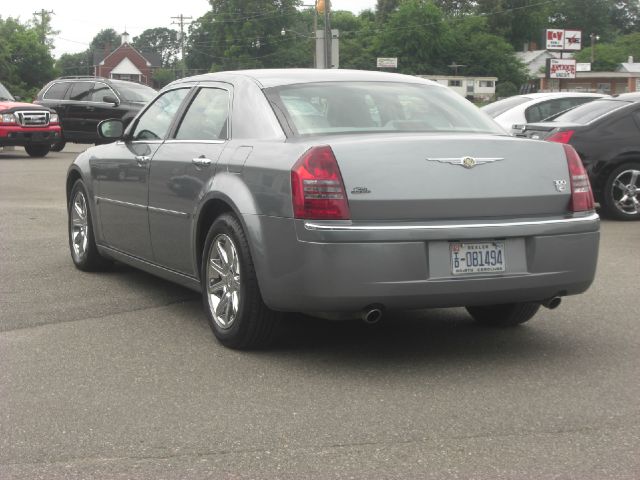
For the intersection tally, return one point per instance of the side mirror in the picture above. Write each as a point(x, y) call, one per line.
point(110, 99)
point(112, 129)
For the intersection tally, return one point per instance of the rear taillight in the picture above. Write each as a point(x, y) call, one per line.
point(317, 188)
point(581, 195)
point(561, 137)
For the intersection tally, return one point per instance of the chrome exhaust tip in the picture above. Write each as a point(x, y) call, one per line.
point(371, 316)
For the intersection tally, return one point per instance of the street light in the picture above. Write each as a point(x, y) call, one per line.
point(593, 37)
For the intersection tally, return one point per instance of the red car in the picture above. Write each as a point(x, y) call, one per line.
point(27, 125)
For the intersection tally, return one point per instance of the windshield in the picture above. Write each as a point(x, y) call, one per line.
point(497, 108)
point(588, 112)
point(347, 107)
point(134, 92)
point(4, 93)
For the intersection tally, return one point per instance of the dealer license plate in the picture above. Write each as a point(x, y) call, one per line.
point(477, 257)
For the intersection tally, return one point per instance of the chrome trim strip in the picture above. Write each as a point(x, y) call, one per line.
point(168, 212)
point(328, 228)
point(118, 202)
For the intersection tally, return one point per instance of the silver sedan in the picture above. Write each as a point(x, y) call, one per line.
point(335, 193)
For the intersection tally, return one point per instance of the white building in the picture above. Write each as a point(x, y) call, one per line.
point(481, 88)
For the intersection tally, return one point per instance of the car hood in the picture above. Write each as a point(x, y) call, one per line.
point(12, 106)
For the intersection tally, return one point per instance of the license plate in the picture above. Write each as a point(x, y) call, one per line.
point(477, 257)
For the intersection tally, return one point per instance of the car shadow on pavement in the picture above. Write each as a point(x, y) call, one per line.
point(410, 336)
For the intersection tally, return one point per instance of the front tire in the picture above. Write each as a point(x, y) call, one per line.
point(37, 151)
point(84, 252)
point(58, 146)
point(505, 315)
point(621, 196)
point(230, 293)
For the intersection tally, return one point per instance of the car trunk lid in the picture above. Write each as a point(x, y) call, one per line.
point(423, 177)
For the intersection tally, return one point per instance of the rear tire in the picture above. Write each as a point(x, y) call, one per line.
point(37, 151)
point(84, 252)
point(235, 310)
point(621, 194)
point(505, 315)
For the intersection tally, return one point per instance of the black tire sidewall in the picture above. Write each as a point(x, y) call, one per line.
point(229, 225)
point(88, 262)
point(37, 151)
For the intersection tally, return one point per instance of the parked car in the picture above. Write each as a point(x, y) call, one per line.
point(606, 135)
point(83, 102)
point(534, 107)
point(26, 125)
point(385, 191)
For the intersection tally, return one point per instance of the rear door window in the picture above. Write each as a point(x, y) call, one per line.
point(57, 91)
point(207, 116)
point(81, 91)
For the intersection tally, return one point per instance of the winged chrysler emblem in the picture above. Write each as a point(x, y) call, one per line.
point(466, 162)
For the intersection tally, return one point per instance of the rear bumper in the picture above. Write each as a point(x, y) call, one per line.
point(339, 266)
point(21, 136)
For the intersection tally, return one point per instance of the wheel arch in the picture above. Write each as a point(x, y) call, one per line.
point(606, 168)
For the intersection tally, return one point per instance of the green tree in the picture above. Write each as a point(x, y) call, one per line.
point(609, 55)
point(163, 41)
point(417, 34)
point(75, 63)
point(238, 34)
point(25, 63)
point(42, 25)
point(107, 39)
point(384, 8)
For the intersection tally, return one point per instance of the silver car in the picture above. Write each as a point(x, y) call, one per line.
point(334, 193)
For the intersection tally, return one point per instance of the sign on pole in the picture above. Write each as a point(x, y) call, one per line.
point(573, 40)
point(560, 39)
point(387, 62)
point(583, 67)
point(561, 68)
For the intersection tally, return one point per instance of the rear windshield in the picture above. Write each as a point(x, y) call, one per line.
point(588, 112)
point(348, 107)
point(497, 108)
point(4, 93)
point(134, 92)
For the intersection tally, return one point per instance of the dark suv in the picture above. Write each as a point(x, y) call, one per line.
point(83, 102)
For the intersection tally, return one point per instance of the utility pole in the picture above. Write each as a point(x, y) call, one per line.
point(44, 22)
point(327, 34)
point(181, 21)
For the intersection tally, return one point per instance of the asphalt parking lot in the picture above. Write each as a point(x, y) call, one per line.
point(117, 375)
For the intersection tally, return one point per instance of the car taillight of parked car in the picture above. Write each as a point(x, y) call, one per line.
point(317, 188)
point(561, 137)
point(581, 194)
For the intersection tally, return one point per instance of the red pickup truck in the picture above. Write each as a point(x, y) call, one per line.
point(27, 125)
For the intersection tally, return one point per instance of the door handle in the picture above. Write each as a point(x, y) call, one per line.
point(202, 161)
point(90, 108)
point(142, 160)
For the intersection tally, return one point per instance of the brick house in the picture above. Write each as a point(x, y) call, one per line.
point(126, 63)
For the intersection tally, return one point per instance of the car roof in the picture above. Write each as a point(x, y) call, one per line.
point(268, 78)
point(630, 97)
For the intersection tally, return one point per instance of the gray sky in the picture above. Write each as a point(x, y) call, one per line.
point(78, 22)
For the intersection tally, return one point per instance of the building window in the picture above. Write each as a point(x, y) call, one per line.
point(486, 83)
point(455, 83)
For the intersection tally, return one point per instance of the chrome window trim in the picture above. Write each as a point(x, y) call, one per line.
point(309, 225)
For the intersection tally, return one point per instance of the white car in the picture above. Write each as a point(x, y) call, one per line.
point(534, 107)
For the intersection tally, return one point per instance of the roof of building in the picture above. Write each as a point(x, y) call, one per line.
point(629, 67)
point(532, 55)
point(154, 58)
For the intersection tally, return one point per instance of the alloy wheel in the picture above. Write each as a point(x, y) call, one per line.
point(626, 192)
point(223, 281)
point(79, 226)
